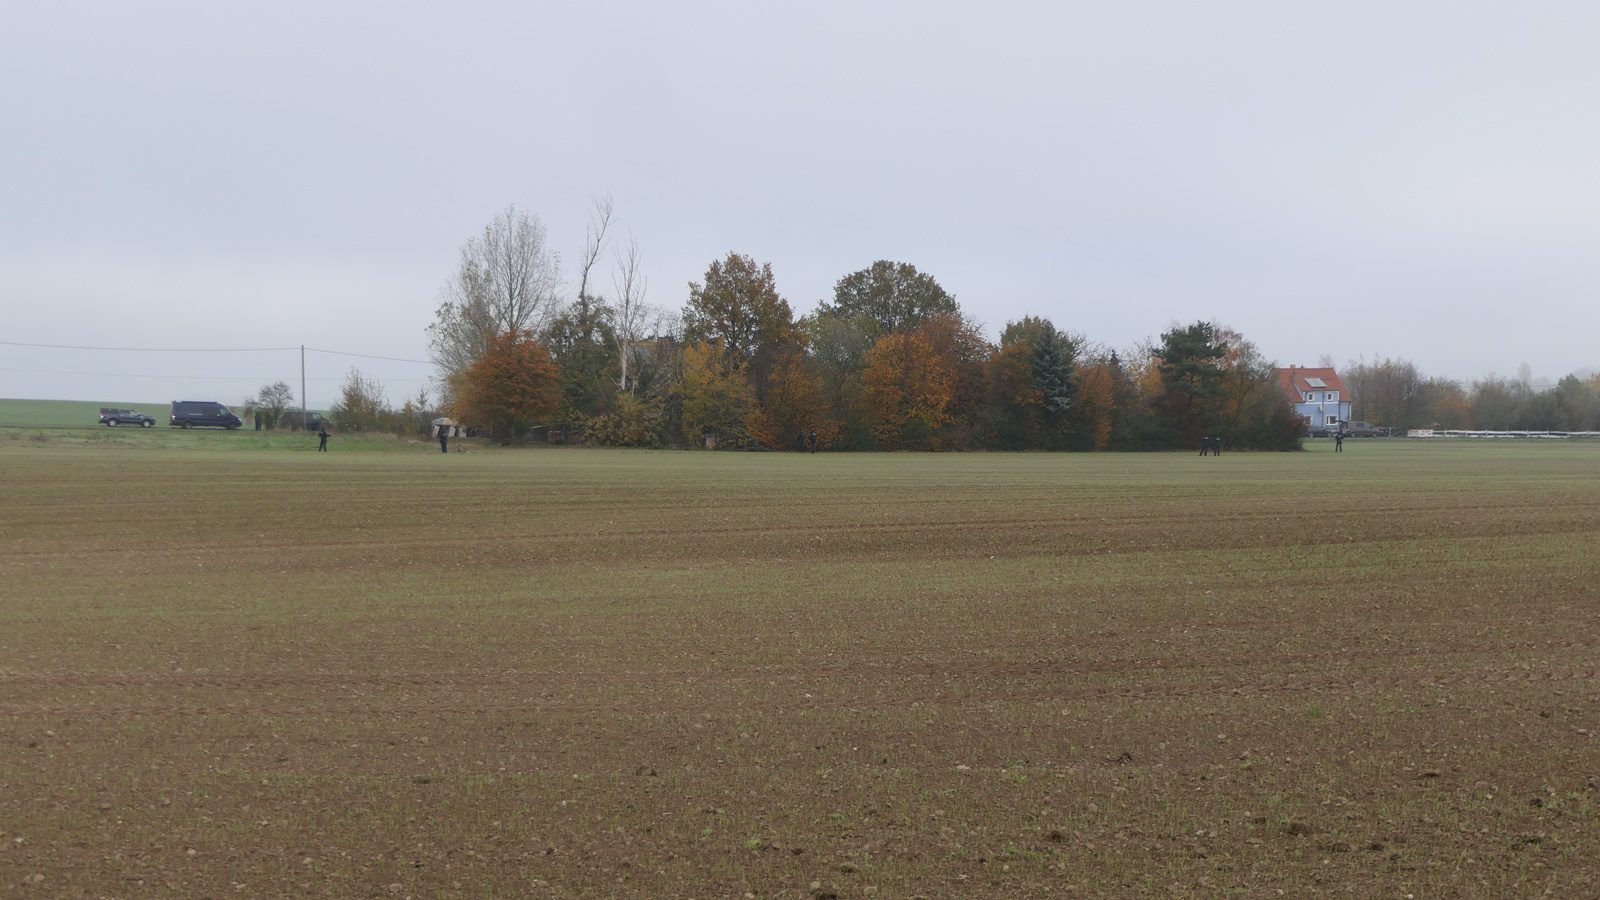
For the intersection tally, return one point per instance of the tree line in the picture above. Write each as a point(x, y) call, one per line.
point(363, 405)
point(1396, 394)
point(890, 362)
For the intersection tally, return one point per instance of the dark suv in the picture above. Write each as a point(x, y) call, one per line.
point(114, 417)
point(189, 413)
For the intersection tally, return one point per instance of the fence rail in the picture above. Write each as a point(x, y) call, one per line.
point(1484, 433)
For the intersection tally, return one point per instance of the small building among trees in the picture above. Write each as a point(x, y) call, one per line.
point(1319, 397)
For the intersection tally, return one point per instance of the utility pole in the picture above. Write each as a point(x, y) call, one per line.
point(303, 418)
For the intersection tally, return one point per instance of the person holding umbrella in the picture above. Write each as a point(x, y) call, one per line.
point(441, 430)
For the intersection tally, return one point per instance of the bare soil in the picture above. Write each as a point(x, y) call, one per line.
point(563, 673)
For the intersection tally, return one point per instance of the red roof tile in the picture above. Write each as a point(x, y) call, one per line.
point(1293, 382)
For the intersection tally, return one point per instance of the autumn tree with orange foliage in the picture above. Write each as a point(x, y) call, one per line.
point(1448, 406)
point(715, 396)
point(964, 353)
point(909, 387)
point(794, 405)
point(512, 384)
point(1097, 403)
point(1015, 399)
point(1032, 385)
point(739, 307)
point(1255, 412)
point(1013, 375)
point(1245, 374)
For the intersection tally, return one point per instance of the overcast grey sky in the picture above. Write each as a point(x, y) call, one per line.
point(1413, 179)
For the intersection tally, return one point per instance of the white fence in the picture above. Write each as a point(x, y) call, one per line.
point(1479, 433)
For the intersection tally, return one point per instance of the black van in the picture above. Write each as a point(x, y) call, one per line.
point(189, 413)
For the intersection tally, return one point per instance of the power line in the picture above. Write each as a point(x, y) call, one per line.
point(155, 349)
point(425, 362)
point(133, 375)
point(188, 377)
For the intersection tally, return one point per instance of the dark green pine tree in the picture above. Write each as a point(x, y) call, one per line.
point(1052, 373)
point(581, 343)
point(1190, 363)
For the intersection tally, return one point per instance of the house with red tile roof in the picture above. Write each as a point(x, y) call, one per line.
point(1318, 395)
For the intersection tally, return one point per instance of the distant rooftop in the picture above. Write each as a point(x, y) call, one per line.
point(1297, 380)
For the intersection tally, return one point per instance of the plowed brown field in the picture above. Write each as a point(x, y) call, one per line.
point(558, 672)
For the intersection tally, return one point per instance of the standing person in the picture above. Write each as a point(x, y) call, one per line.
point(1216, 445)
point(1338, 441)
point(813, 440)
point(322, 439)
point(1205, 445)
point(444, 438)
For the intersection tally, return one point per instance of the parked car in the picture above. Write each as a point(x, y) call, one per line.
point(189, 413)
point(1365, 429)
point(114, 417)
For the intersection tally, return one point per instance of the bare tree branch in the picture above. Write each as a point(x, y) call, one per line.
point(632, 314)
point(508, 278)
point(595, 242)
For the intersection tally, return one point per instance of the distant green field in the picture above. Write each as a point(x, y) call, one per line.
point(164, 437)
point(72, 424)
point(74, 413)
point(71, 412)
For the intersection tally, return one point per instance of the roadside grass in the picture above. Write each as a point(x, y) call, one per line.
point(70, 413)
point(581, 672)
point(165, 437)
point(37, 416)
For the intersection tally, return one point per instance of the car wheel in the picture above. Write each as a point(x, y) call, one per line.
point(186, 426)
point(146, 424)
point(111, 422)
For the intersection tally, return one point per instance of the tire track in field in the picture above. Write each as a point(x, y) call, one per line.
point(910, 668)
point(846, 533)
point(879, 699)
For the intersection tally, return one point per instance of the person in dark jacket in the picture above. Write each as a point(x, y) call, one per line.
point(1338, 441)
point(813, 440)
point(1216, 445)
point(444, 439)
point(1205, 445)
point(322, 439)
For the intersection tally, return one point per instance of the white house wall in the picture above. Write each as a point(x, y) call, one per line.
point(1319, 411)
